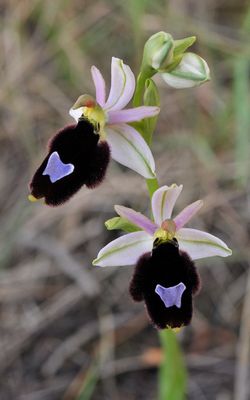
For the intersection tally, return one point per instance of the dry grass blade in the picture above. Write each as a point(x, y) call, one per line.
point(64, 261)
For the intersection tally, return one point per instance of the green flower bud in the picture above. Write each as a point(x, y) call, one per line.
point(158, 52)
point(191, 71)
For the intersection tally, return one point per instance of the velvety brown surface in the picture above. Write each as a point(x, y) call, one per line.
point(80, 146)
point(168, 267)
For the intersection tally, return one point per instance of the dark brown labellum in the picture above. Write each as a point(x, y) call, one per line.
point(166, 274)
point(76, 157)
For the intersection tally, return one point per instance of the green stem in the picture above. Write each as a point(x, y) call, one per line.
point(172, 372)
point(147, 73)
point(152, 185)
point(140, 86)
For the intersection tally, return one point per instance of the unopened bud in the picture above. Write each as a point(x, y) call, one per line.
point(158, 51)
point(191, 71)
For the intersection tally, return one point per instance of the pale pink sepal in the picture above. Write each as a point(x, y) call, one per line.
point(125, 250)
point(137, 219)
point(187, 213)
point(100, 87)
point(163, 202)
point(122, 86)
point(130, 149)
point(132, 114)
point(199, 244)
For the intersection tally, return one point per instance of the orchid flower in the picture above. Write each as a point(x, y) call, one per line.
point(163, 250)
point(128, 248)
point(79, 154)
point(126, 144)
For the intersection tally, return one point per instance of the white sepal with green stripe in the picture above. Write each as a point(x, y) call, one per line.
point(125, 250)
point(130, 149)
point(199, 244)
point(191, 71)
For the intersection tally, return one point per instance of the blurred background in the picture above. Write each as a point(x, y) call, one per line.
point(59, 316)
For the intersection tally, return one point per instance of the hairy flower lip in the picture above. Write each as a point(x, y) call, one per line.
point(166, 281)
point(75, 157)
point(196, 243)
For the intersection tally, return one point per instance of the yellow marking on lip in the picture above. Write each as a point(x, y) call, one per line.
point(175, 330)
point(93, 112)
point(163, 235)
point(32, 198)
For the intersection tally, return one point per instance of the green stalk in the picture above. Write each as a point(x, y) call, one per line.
point(152, 185)
point(172, 378)
point(140, 86)
point(145, 74)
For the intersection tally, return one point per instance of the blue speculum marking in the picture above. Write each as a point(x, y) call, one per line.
point(56, 169)
point(171, 296)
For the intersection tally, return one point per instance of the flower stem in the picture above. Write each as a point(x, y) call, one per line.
point(172, 373)
point(152, 185)
point(143, 76)
point(140, 86)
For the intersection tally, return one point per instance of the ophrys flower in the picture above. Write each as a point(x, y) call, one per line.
point(79, 154)
point(163, 251)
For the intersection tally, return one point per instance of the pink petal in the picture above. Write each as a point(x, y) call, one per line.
point(125, 250)
point(185, 215)
point(163, 202)
point(130, 149)
point(122, 85)
point(132, 114)
point(137, 219)
point(199, 244)
point(100, 88)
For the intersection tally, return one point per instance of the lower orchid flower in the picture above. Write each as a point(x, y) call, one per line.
point(79, 154)
point(163, 250)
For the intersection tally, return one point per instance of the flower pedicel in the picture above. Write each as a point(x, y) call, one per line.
point(79, 154)
point(163, 250)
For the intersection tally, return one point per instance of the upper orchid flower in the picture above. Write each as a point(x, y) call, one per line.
point(79, 154)
point(126, 144)
point(165, 276)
